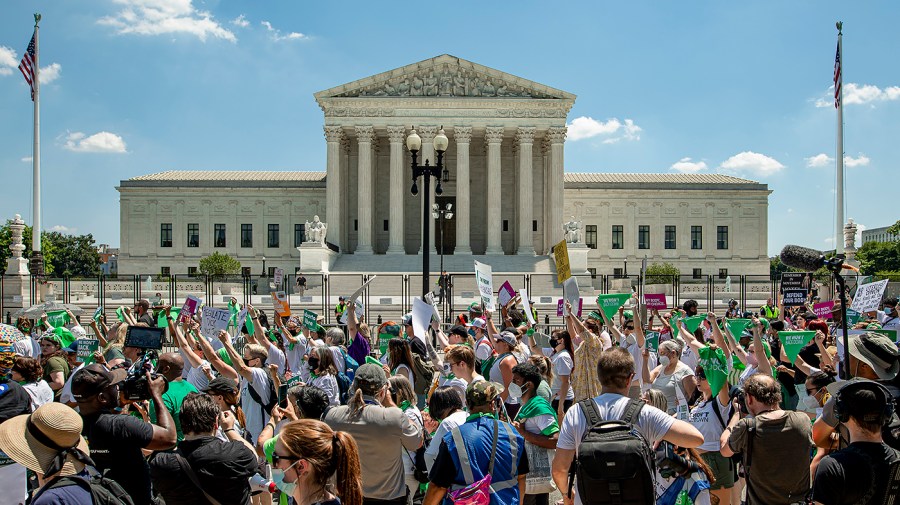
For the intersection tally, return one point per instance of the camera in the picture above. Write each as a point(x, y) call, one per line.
point(671, 464)
point(136, 387)
point(738, 393)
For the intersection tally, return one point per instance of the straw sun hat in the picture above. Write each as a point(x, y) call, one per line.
point(46, 441)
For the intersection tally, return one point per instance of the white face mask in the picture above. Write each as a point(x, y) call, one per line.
point(810, 403)
point(514, 390)
point(664, 361)
point(287, 488)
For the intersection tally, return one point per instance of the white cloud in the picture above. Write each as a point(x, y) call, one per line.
point(819, 160)
point(50, 73)
point(860, 161)
point(102, 142)
point(164, 17)
point(240, 21)
point(686, 166)
point(27, 159)
point(860, 94)
point(64, 229)
point(587, 127)
point(751, 163)
point(8, 60)
point(278, 37)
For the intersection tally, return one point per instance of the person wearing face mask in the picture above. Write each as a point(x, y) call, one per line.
point(477, 329)
point(889, 317)
point(671, 376)
point(222, 468)
point(256, 385)
point(116, 440)
point(536, 421)
point(381, 431)
point(322, 373)
point(562, 361)
point(630, 338)
point(316, 465)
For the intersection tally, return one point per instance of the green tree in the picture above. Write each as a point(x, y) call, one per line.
point(73, 255)
point(219, 265)
point(661, 273)
point(877, 257)
point(894, 228)
point(47, 249)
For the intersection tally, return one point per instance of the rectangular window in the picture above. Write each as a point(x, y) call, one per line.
point(273, 236)
point(164, 271)
point(219, 235)
point(246, 235)
point(644, 236)
point(299, 234)
point(272, 272)
point(193, 238)
point(723, 273)
point(245, 271)
point(721, 237)
point(670, 237)
point(590, 235)
point(696, 237)
point(698, 273)
point(617, 273)
point(192, 271)
point(386, 225)
point(534, 225)
point(506, 225)
point(618, 237)
point(593, 272)
point(165, 235)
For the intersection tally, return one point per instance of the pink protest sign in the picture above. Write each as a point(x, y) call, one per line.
point(506, 294)
point(655, 301)
point(823, 310)
point(561, 303)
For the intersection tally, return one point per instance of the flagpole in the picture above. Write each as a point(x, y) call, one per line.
point(839, 187)
point(37, 260)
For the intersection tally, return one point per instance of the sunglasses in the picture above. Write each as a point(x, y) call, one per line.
point(276, 458)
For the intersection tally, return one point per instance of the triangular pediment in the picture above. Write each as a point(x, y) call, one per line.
point(444, 76)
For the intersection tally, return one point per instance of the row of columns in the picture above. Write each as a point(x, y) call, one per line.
point(462, 137)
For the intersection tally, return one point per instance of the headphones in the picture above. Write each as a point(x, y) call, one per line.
point(841, 409)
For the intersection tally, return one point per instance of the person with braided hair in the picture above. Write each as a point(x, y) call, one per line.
point(307, 455)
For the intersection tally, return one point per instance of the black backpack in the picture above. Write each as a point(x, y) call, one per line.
point(615, 464)
point(890, 432)
point(273, 397)
point(104, 491)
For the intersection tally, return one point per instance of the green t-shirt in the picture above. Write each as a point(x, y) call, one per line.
point(172, 399)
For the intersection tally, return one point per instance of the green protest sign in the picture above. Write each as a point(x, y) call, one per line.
point(793, 341)
point(853, 317)
point(120, 314)
point(737, 326)
point(86, 349)
point(309, 319)
point(292, 381)
point(652, 341)
point(610, 304)
point(673, 322)
point(715, 367)
point(372, 361)
point(892, 334)
point(161, 321)
point(57, 318)
point(693, 322)
point(97, 314)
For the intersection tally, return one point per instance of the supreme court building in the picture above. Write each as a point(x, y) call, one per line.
point(507, 183)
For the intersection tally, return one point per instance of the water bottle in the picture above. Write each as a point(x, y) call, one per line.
point(260, 483)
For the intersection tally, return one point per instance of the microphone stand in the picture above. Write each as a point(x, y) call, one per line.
point(835, 265)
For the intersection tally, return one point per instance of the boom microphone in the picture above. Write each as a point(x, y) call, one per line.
point(802, 258)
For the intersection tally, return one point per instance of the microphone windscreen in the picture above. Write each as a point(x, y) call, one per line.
point(802, 258)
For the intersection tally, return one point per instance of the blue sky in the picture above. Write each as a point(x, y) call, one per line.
point(142, 86)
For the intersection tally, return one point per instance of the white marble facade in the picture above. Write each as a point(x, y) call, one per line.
point(507, 184)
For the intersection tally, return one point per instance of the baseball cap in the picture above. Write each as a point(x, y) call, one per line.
point(459, 330)
point(508, 337)
point(475, 309)
point(482, 393)
point(93, 379)
point(223, 384)
point(73, 348)
point(878, 351)
point(370, 376)
point(406, 320)
point(477, 323)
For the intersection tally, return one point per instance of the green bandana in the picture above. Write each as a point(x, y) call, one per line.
point(473, 417)
point(537, 406)
point(405, 405)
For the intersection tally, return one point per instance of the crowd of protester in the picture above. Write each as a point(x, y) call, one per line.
point(492, 411)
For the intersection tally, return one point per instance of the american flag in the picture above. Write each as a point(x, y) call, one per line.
point(837, 77)
point(27, 66)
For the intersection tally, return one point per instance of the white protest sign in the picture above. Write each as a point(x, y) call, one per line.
point(242, 316)
point(526, 305)
point(429, 297)
point(214, 320)
point(360, 310)
point(570, 292)
point(506, 293)
point(279, 277)
point(868, 296)
point(421, 318)
point(485, 280)
point(356, 294)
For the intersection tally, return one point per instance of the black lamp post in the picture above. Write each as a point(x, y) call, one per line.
point(414, 144)
point(263, 273)
point(441, 214)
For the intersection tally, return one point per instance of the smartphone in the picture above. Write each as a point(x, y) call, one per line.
point(283, 396)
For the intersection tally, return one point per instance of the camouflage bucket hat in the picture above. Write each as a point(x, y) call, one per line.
point(7, 355)
point(482, 393)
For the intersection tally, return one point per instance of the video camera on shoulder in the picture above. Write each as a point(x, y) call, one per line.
point(136, 387)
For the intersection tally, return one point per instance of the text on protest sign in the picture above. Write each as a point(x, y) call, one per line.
point(86, 349)
point(823, 309)
point(506, 293)
point(868, 296)
point(484, 278)
point(561, 307)
point(655, 301)
point(214, 320)
point(309, 320)
point(561, 258)
point(190, 307)
point(795, 288)
point(279, 277)
point(610, 303)
point(281, 304)
point(794, 341)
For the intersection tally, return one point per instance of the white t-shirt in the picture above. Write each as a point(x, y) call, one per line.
point(409, 459)
point(338, 357)
point(328, 384)
point(562, 366)
point(889, 322)
point(406, 372)
point(689, 357)
point(28, 347)
point(447, 425)
point(294, 356)
point(483, 349)
point(652, 423)
point(196, 377)
point(630, 345)
point(40, 393)
point(253, 412)
point(703, 417)
point(672, 386)
point(456, 383)
point(495, 375)
point(66, 395)
point(275, 356)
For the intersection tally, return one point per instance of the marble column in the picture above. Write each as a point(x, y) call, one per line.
point(396, 136)
point(333, 184)
point(494, 137)
point(427, 134)
point(365, 135)
point(557, 136)
point(525, 138)
point(462, 136)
